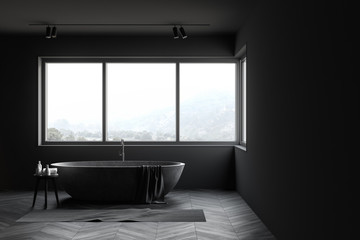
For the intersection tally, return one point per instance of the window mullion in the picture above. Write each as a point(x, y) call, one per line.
point(238, 102)
point(177, 102)
point(104, 103)
point(43, 103)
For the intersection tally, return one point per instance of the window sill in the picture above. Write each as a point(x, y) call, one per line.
point(138, 145)
point(241, 147)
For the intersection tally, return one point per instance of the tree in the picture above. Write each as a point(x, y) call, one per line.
point(81, 138)
point(70, 137)
point(54, 135)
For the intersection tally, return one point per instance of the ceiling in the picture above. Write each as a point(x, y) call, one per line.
point(223, 16)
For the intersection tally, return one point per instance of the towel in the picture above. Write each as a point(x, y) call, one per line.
point(151, 185)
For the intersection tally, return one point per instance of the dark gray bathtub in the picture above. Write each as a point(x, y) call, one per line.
point(111, 180)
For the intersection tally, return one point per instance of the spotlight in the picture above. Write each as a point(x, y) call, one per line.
point(53, 32)
point(48, 32)
point(182, 32)
point(176, 33)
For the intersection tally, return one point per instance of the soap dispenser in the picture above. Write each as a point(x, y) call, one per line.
point(47, 171)
point(39, 168)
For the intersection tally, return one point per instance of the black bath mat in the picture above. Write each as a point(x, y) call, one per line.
point(115, 215)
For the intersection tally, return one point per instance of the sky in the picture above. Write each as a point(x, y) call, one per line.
point(74, 90)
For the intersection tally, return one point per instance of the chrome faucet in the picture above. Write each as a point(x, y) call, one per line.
point(122, 152)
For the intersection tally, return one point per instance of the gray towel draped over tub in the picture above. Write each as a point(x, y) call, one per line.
point(151, 185)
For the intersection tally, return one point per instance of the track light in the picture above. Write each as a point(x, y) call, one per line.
point(53, 32)
point(176, 33)
point(48, 32)
point(178, 30)
point(182, 32)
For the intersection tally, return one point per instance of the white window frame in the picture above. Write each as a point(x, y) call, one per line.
point(42, 99)
point(243, 102)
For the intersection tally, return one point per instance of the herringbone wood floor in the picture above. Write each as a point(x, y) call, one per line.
point(227, 217)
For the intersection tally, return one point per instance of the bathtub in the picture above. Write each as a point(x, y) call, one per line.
point(111, 180)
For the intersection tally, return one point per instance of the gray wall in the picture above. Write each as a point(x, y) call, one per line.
point(296, 172)
point(206, 167)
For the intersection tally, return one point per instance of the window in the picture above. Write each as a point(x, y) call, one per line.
point(101, 101)
point(207, 102)
point(243, 101)
point(74, 102)
point(141, 102)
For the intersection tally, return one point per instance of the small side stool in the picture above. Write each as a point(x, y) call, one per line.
point(46, 178)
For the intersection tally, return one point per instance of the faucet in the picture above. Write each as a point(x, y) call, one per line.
point(122, 152)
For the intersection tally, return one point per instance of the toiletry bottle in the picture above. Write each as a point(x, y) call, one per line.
point(47, 172)
point(39, 168)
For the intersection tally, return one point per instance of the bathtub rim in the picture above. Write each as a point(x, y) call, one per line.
point(163, 164)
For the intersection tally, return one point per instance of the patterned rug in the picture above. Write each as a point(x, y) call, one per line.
point(114, 215)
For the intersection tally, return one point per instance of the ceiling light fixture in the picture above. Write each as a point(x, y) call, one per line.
point(51, 32)
point(182, 32)
point(48, 32)
point(176, 33)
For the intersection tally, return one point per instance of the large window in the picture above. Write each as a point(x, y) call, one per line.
point(101, 101)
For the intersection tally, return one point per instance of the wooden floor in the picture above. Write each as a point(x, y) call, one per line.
point(227, 217)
